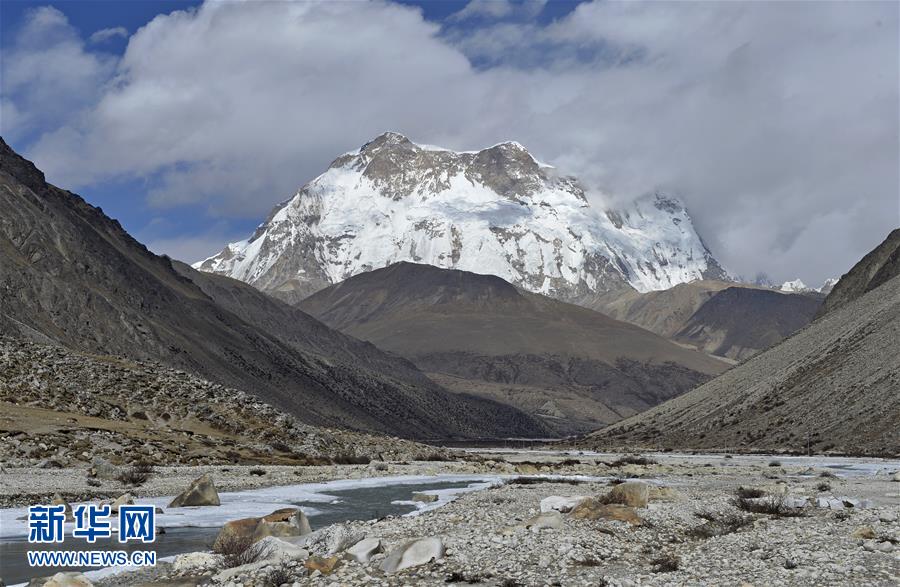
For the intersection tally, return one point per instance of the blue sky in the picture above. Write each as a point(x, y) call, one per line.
point(776, 122)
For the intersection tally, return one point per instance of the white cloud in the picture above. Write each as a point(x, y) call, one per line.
point(498, 9)
point(776, 121)
point(104, 35)
point(48, 76)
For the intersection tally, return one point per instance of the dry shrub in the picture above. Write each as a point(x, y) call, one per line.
point(718, 524)
point(770, 506)
point(667, 563)
point(137, 474)
point(239, 550)
point(632, 460)
point(749, 492)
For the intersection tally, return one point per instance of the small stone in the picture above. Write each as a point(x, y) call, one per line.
point(323, 565)
point(424, 497)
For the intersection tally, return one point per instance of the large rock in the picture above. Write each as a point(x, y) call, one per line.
point(202, 491)
point(285, 522)
point(103, 469)
point(561, 504)
point(594, 509)
point(277, 549)
point(364, 550)
point(68, 580)
point(634, 494)
point(339, 538)
point(413, 554)
point(424, 497)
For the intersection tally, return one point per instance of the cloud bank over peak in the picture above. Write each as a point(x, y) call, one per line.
point(776, 122)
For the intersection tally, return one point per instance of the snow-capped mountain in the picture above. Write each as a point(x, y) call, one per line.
point(496, 211)
point(828, 285)
point(797, 286)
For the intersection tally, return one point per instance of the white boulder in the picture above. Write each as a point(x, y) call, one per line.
point(413, 554)
point(364, 550)
point(275, 548)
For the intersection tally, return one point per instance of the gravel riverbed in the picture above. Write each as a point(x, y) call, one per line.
point(690, 533)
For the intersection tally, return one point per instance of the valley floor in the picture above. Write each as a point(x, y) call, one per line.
point(690, 533)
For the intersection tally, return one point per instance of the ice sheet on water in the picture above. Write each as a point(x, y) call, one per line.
point(259, 502)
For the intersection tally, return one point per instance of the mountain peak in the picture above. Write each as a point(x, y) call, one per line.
point(495, 211)
point(795, 286)
point(388, 138)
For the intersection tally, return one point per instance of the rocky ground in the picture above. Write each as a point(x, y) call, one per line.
point(690, 532)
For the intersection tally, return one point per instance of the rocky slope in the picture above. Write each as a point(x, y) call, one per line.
point(479, 334)
point(722, 318)
point(876, 268)
point(831, 386)
point(63, 408)
point(71, 275)
point(496, 211)
point(739, 322)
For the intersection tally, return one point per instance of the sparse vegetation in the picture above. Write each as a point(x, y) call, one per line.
point(569, 462)
point(279, 576)
point(718, 524)
point(667, 563)
point(137, 474)
point(823, 487)
point(770, 506)
point(257, 472)
point(459, 577)
point(348, 459)
point(536, 480)
point(435, 457)
point(239, 550)
point(280, 446)
point(632, 460)
point(749, 492)
point(588, 562)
